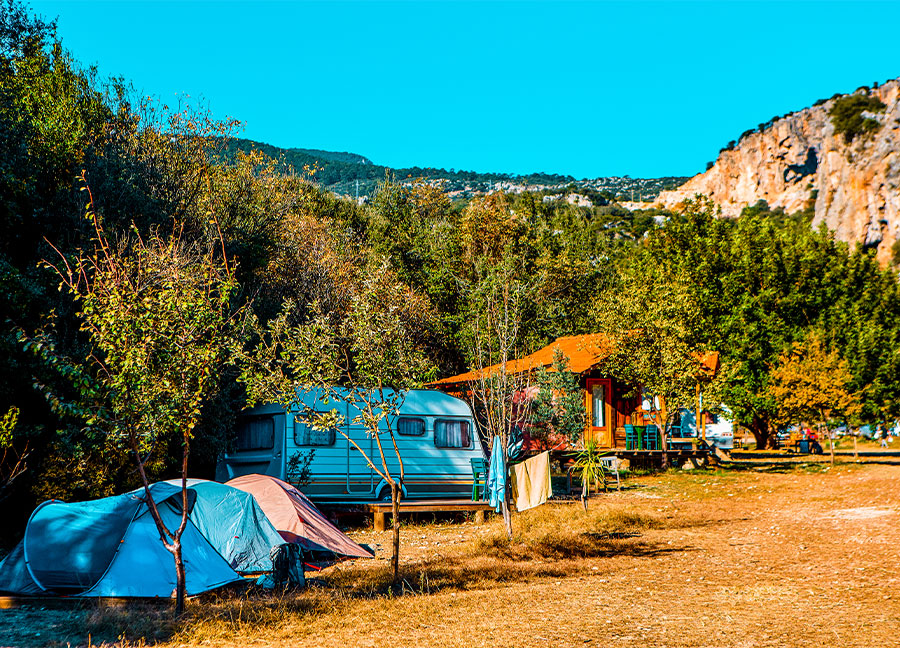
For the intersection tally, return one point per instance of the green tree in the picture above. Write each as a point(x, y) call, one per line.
point(813, 383)
point(498, 392)
point(368, 361)
point(657, 343)
point(159, 318)
point(12, 460)
point(847, 115)
point(557, 409)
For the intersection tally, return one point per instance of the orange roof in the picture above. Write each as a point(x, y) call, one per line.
point(583, 351)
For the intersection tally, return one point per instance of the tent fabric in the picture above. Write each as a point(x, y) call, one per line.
point(14, 576)
point(296, 517)
point(144, 568)
point(92, 531)
point(111, 546)
point(235, 525)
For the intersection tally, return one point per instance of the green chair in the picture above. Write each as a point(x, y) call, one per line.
point(479, 477)
point(630, 437)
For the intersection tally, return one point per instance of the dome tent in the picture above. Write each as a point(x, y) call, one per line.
point(111, 546)
point(234, 524)
point(296, 517)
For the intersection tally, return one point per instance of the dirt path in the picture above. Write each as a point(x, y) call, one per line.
point(761, 556)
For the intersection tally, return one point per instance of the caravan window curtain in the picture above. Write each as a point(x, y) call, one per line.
point(410, 426)
point(255, 433)
point(451, 434)
point(306, 435)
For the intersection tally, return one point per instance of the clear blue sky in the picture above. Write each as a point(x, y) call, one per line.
point(583, 88)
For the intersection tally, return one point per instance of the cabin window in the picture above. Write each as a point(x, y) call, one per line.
point(452, 434)
point(598, 405)
point(306, 435)
point(410, 426)
point(255, 433)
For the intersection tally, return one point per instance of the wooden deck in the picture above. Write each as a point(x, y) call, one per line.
point(381, 510)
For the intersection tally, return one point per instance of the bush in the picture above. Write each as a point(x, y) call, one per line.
point(847, 115)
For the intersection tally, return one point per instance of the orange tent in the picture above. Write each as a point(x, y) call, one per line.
point(296, 518)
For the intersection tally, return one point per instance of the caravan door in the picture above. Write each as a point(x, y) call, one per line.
point(360, 476)
point(258, 446)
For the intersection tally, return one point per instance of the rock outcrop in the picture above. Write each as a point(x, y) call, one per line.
point(856, 185)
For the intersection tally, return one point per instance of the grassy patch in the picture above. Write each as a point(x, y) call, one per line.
point(565, 531)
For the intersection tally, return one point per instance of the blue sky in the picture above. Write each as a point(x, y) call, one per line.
point(582, 88)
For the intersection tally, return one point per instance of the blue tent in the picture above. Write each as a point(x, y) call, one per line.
point(234, 524)
point(111, 547)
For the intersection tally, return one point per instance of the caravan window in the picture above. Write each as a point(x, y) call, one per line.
point(306, 435)
point(410, 426)
point(255, 433)
point(452, 434)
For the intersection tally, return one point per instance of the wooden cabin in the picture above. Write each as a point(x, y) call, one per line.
point(609, 403)
point(607, 407)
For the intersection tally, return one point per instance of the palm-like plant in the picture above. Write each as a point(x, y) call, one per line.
point(590, 469)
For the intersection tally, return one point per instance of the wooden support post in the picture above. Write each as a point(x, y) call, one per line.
point(479, 517)
point(380, 521)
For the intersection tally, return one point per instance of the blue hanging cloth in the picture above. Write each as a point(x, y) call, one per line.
point(496, 481)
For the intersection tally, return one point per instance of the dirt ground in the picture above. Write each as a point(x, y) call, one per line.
point(760, 553)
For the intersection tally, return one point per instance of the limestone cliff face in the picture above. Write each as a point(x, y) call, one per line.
point(857, 184)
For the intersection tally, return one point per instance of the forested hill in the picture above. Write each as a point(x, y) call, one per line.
point(351, 174)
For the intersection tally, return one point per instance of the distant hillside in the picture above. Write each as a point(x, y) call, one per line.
point(351, 174)
point(839, 158)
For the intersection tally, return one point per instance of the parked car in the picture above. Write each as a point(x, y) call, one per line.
point(435, 433)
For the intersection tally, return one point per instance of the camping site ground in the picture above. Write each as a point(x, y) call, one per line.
point(760, 553)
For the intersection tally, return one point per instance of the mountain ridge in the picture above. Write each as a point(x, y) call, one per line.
point(807, 158)
point(351, 174)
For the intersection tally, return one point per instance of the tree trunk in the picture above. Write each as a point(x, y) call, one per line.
point(759, 427)
point(395, 540)
point(179, 577)
point(830, 443)
point(585, 488)
point(855, 451)
point(664, 415)
point(507, 518)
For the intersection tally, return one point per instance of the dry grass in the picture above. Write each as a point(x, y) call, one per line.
point(758, 554)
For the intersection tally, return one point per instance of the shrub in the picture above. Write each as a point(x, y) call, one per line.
point(847, 115)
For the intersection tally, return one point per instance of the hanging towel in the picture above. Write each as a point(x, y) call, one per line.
point(531, 482)
point(496, 481)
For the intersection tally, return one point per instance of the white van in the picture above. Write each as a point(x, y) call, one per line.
point(435, 433)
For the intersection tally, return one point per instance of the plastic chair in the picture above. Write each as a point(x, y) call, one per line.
point(479, 474)
point(651, 438)
point(611, 465)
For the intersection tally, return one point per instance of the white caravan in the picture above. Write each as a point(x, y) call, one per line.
point(435, 433)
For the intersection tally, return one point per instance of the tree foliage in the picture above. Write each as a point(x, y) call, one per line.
point(367, 361)
point(557, 408)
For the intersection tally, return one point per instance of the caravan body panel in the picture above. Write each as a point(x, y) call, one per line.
point(435, 434)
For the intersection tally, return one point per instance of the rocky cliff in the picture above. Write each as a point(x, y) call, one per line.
point(856, 185)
